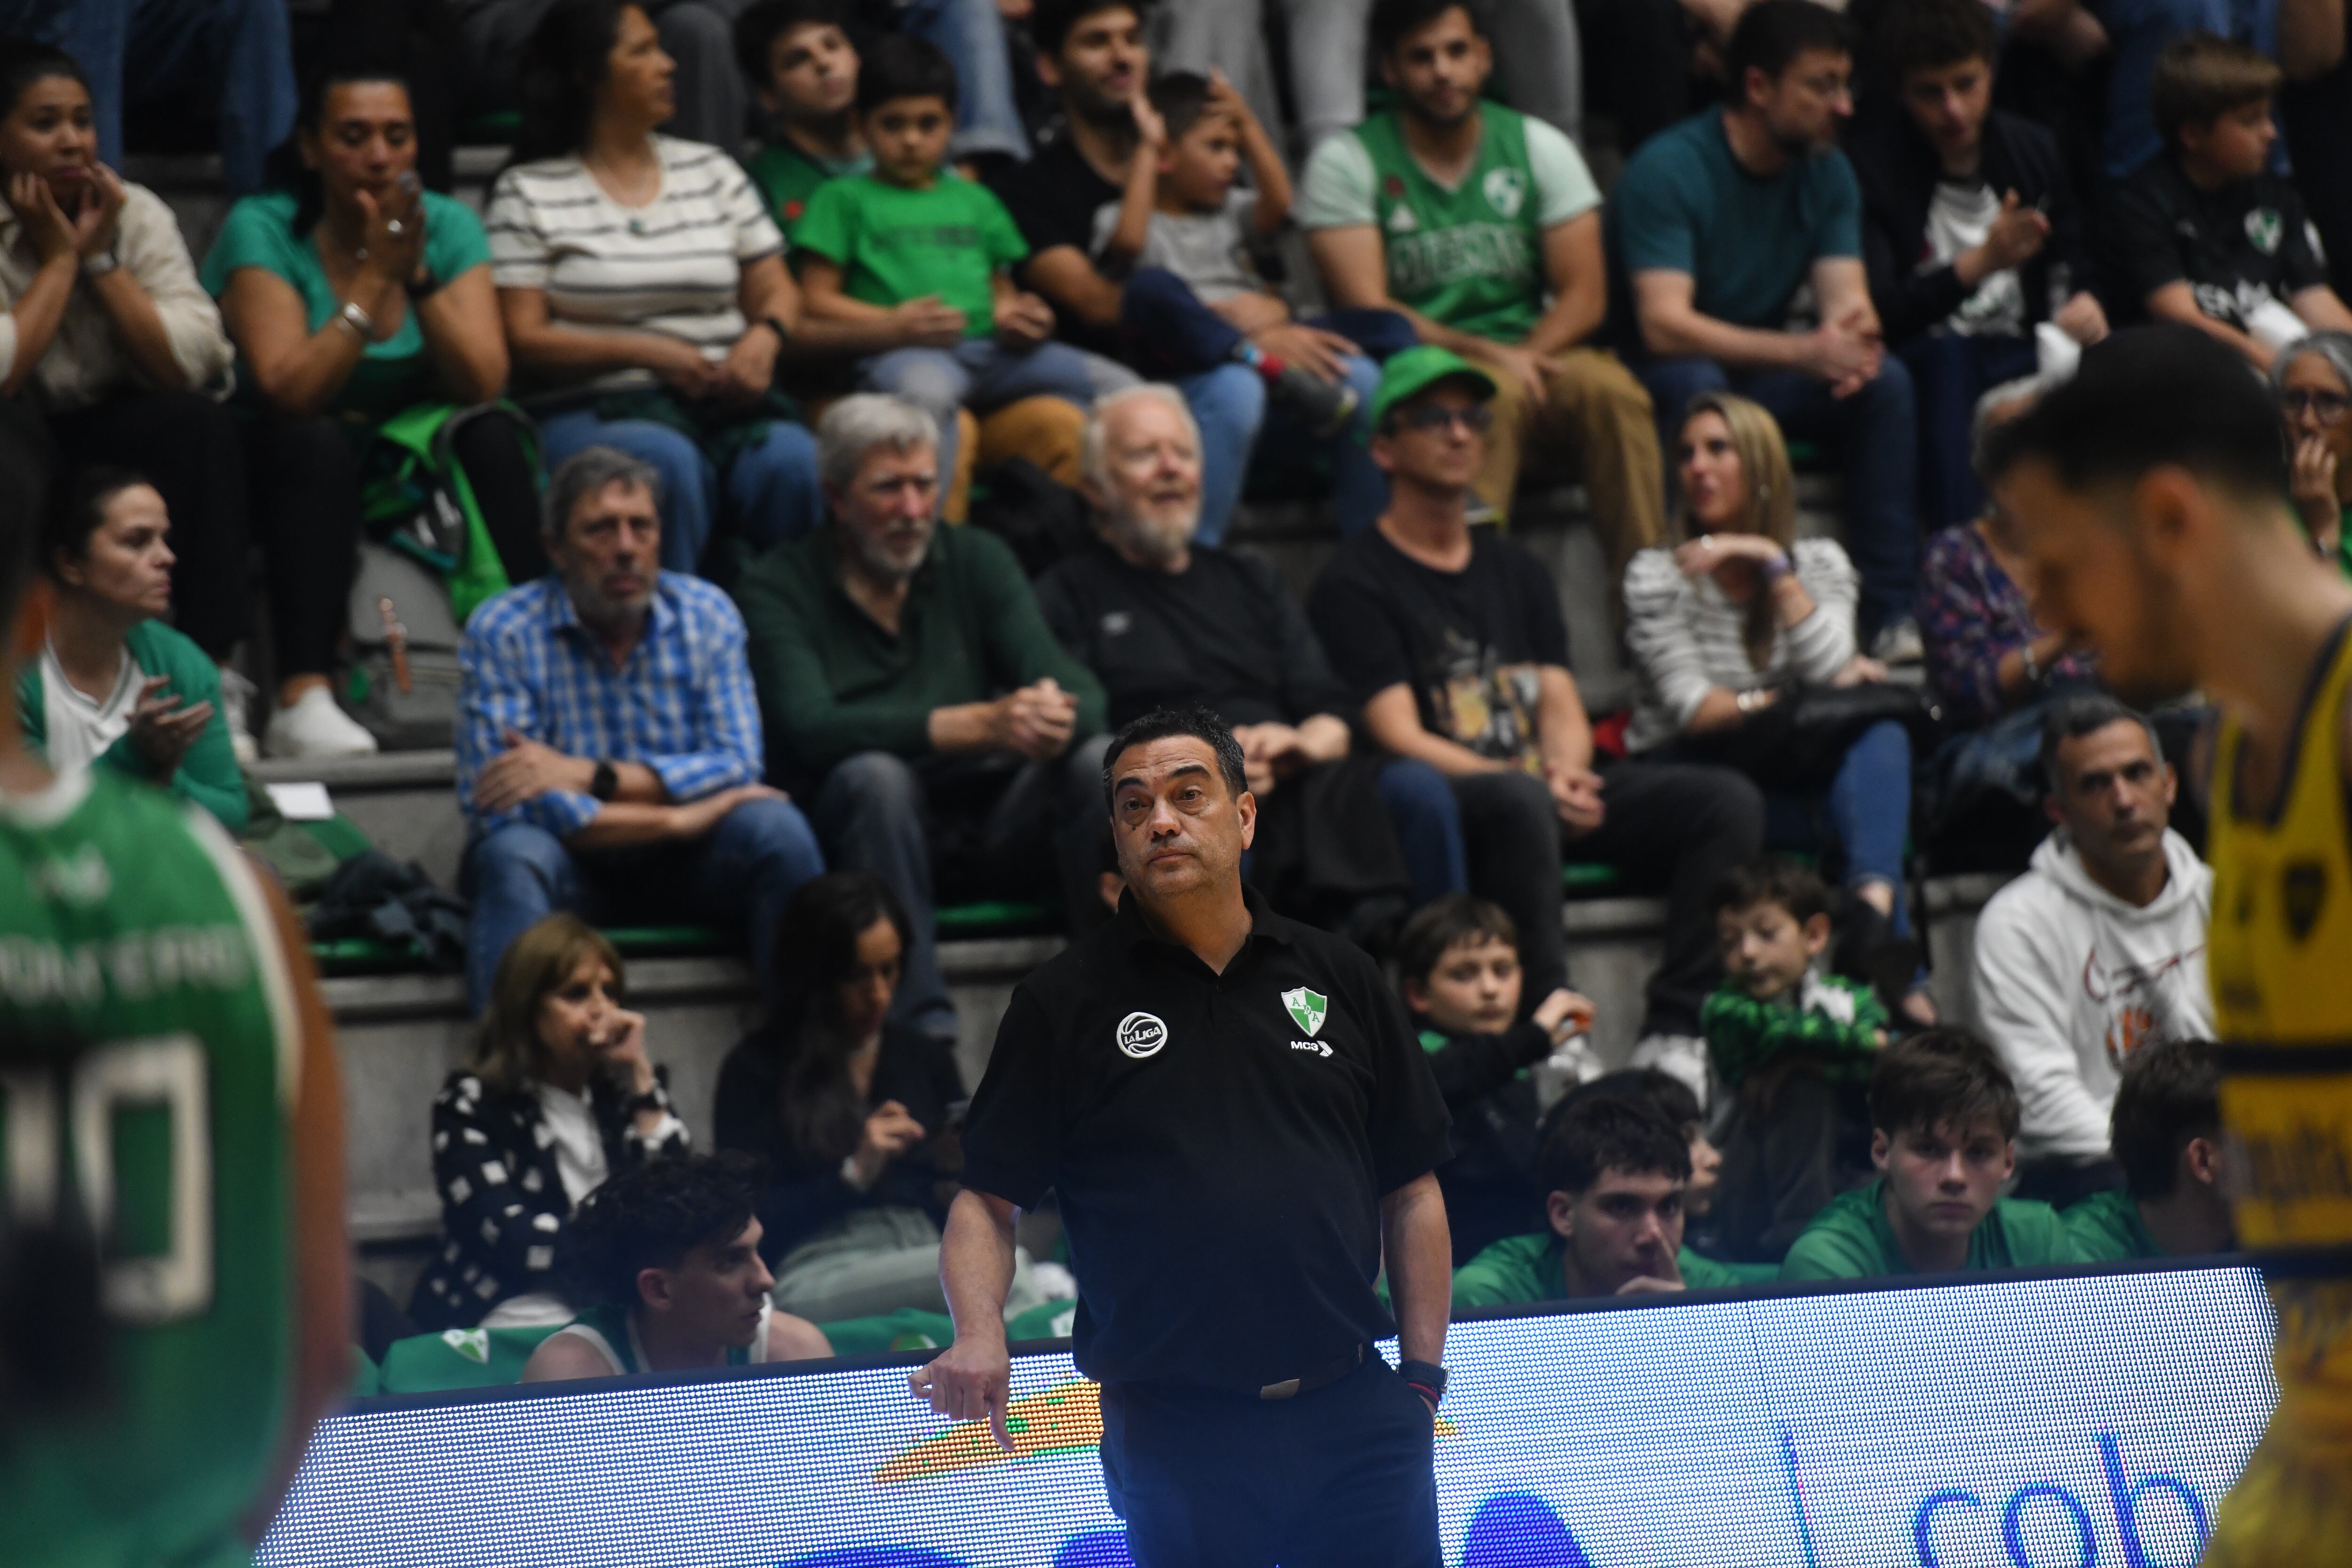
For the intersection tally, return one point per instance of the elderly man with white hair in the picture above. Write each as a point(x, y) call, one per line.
point(914, 698)
point(1165, 621)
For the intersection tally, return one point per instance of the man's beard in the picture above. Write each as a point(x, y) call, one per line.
point(1155, 541)
point(881, 560)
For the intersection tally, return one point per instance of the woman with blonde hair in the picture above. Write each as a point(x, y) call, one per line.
point(558, 1094)
point(1735, 618)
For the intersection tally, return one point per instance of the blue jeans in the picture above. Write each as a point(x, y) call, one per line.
point(1876, 432)
point(738, 874)
point(771, 496)
point(985, 375)
point(1948, 373)
point(247, 46)
point(1427, 821)
point(1868, 804)
point(1229, 404)
point(970, 33)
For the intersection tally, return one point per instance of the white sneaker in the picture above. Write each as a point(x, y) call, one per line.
point(314, 727)
point(236, 711)
point(1678, 1056)
point(1899, 644)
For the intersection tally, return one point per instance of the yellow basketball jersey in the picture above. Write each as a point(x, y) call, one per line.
point(2280, 960)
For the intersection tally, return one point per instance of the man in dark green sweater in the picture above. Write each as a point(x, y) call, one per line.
point(914, 698)
point(2165, 1130)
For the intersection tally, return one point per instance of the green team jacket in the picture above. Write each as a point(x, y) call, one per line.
point(1851, 1239)
point(2106, 1228)
point(1519, 1270)
point(207, 775)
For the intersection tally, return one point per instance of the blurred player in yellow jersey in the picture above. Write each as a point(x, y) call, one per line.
point(2150, 499)
point(171, 1271)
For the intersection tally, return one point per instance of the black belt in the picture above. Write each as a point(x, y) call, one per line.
point(1323, 1377)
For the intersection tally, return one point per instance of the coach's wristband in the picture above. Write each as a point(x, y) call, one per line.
point(1426, 1378)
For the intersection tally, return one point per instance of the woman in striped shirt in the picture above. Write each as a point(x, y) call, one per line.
point(644, 289)
point(1720, 623)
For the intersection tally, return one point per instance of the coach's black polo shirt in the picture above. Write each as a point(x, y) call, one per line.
point(1220, 1145)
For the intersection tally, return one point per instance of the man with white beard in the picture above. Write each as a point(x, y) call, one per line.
point(1164, 621)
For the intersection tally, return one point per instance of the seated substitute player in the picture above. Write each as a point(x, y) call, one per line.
point(2168, 1138)
point(1616, 1169)
point(1675, 1100)
point(1943, 1135)
point(154, 1412)
point(665, 1271)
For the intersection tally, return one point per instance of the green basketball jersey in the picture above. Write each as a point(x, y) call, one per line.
point(1472, 257)
point(148, 1057)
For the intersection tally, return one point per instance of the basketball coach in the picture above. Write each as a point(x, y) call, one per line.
point(1239, 1126)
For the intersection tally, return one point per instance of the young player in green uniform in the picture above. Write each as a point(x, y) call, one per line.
point(169, 1121)
point(2165, 1130)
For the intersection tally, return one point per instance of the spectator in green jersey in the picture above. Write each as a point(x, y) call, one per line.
point(1792, 1047)
point(1675, 1100)
point(2167, 1134)
point(799, 58)
point(1944, 1120)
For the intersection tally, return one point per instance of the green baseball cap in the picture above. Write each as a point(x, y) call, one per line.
point(1416, 370)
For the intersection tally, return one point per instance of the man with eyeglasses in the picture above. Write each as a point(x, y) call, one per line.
point(1741, 230)
point(1453, 640)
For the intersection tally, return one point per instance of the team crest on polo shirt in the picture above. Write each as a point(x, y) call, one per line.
point(1308, 1009)
point(1141, 1034)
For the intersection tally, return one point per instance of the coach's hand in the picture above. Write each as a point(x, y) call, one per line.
point(971, 1379)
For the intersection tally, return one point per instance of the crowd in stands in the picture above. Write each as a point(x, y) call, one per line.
point(701, 420)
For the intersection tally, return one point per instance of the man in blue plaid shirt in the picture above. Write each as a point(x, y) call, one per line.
point(609, 756)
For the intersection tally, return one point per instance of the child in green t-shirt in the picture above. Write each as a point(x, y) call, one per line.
point(1792, 1047)
point(1943, 1116)
point(799, 59)
point(915, 261)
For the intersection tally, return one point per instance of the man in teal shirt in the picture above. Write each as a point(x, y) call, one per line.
point(2166, 1129)
point(1616, 1171)
point(1944, 1120)
point(911, 690)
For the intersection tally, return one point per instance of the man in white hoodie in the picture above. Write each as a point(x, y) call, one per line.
point(2097, 951)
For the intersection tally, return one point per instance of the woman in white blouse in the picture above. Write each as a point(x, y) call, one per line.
point(642, 286)
point(1720, 623)
point(110, 343)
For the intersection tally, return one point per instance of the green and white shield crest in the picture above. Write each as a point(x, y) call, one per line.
point(1309, 1009)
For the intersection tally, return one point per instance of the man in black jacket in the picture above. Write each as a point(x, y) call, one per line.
point(1971, 232)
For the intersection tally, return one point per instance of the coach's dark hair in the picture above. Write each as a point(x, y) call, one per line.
point(900, 65)
point(1662, 1091)
point(1439, 924)
point(757, 30)
point(1943, 1077)
point(1611, 1132)
point(1394, 21)
point(820, 1108)
point(1181, 98)
point(567, 57)
point(2082, 714)
point(1161, 725)
point(1927, 35)
point(1771, 34)
point(2147, 397)
point(76, 510)
point(2170, 1092)
point(1051, 22)
point(1770, 880)
point(650, 1217)
point(24, 61)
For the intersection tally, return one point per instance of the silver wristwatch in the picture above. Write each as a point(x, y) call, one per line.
point(356, 317)
point(99, 265)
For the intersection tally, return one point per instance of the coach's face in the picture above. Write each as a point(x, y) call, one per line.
point(1178, 826)
point(2107, 565)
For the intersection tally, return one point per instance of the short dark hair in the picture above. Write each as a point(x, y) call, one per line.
point(650, 1217)
point(77, 507)
point(1770, 880)
point(1161, 725)
point(1771, 34)
point(2200, 77)
point(1394, 21)
point(1051, 22)
point(1661, 1090)
point(2082, 713)
point(900, 65)
point(2170, 1093)
point(24, 61)
point(1927, 34)
point(757, 30)
point(567, 56)
point(2147, 397)
point(1943, 1077)
point(1611, 1132)
point(1181, 97)
point(1439, 924)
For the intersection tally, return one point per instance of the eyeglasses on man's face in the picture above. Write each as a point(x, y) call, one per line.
point(1478, 418)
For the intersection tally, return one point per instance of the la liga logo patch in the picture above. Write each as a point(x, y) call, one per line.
point(1141, 1034)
